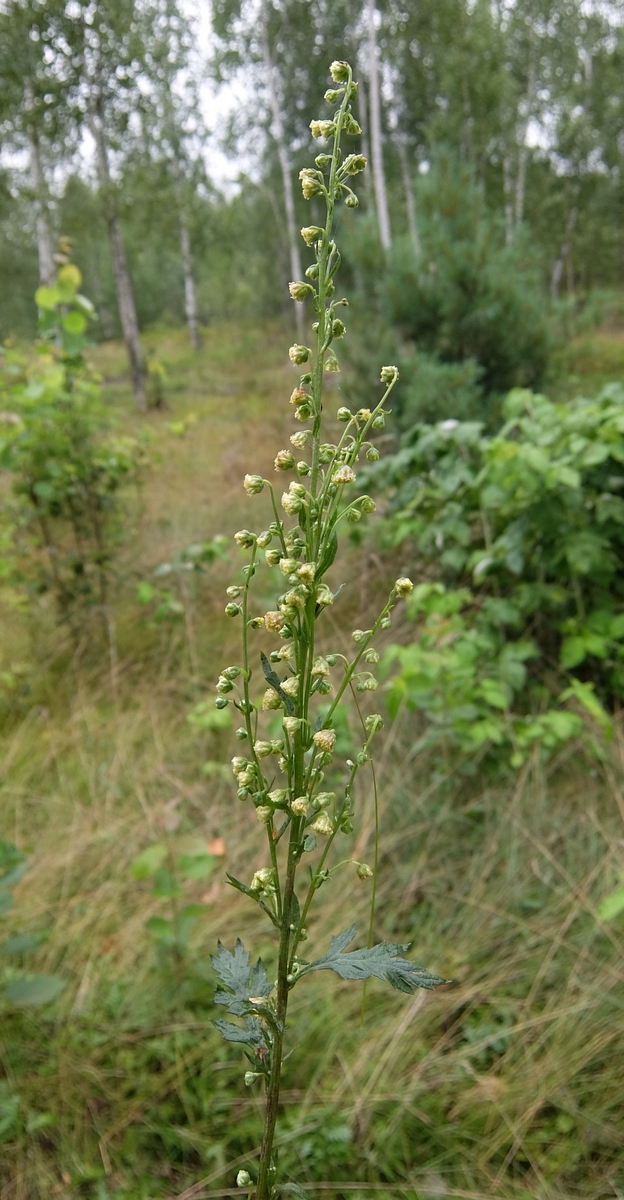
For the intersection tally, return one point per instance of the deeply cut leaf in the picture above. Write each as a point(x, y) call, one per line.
point(241, 981)
point(382, 961)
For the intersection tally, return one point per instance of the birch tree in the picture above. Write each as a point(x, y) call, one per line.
point(379, 180)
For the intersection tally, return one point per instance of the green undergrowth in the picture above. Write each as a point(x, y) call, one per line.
point(506, 1084)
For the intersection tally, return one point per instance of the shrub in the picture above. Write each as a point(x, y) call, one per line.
point(67, 468)
point(528, 524)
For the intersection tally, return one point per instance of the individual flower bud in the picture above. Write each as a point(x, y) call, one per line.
point(322, 825)
point(224, 685)
point(352, 201)
point(306, 572)
point(300, 806)
point(262, 749)
point(389, 374)
point(363, 415)
point(284, 460)
point(272, 557)
point(232, 672)
point(291, 685)
point(331, 96)
point(273, 621)
point(264, 813)
point(353, 164)
point(242, 793)
point(339, 71)
point(270, 699)
point(338, 328)
point(244, 539)
point(246, 778)
point(310, 183)
point(286, 653)
point(243, 1179)
point(361, 758)
point(234, 592)
point(367, 504)
point(278, 796)
point(371, 655)
point(253, 484)
point(221, 702)
point(373, 722)
point(288, 565)
point(233, 610)
point(298, 440)
point(303, 412)
point(277, 746)
point(239, 764)
point(326, 452)
point(379, 422)
point(385, 623)
point(353, 516)
point(331, 365)
point(262, 880)
point(256, 623)
point(367, 685)
point(311, 234)
point(364, 871)
point(299, 290)
point(296, 598)
point(324, 595)
point(322, 129)
point(298, 354)
point(344, 414)
point(249, 1077)
point(298, 396)
point(283, 763)
point(372, 454)
point(291, 504)
point(325, 740)
point(350, 126)
point(324, 799)
point(264, 539)
point(344, 474)
point(291, 725)
point(403, 586)
point(241, 734)
point(359, 635)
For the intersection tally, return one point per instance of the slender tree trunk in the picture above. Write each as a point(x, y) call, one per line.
point(508, 194)
point(523, 153)
point(123, 286)
point(381, 198)
point(560, 262)
point(282, 152)
point(363, 119)
point(410, 202)
point(190, 297)
point(45, 243)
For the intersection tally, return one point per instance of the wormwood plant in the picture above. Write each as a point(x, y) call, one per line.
point(302, 820)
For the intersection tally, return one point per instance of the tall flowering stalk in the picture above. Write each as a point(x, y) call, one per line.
point(301, 819)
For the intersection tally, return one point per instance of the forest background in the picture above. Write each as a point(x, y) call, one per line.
point(486, 256)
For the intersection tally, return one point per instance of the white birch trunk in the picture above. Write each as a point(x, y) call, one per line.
point(381, 198)
point(190, 296)
point(123, 286)
point(190, 299)
point(560, 262)
point(289, 197)
point(508, 194)
point(43, 233)
point(523, 153)
point(410, 202)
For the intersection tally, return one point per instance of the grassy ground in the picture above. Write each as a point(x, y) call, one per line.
point(506, 1084)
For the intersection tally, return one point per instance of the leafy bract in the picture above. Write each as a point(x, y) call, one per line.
point(242, 981)
point(382, 961)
